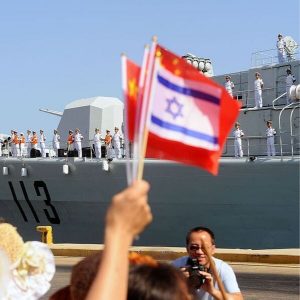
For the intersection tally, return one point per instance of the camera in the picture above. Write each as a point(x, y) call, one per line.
point(195, 279)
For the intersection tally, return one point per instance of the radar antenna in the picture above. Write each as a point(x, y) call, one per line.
point(290, 47)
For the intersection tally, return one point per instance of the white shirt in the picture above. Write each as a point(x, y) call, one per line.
point(229, 85)
point(78, 137)
point(281, 45)
point(257, 84)
point(42, 138)
point(290, 79)
point(97, 138)
point(238, 133)
point(56, 138)
point(270, 132)
point(116, 138)
point(28, 139)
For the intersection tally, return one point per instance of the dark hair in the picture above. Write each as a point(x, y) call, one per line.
point(161, 282)
point(83, 275)
point(199, 229)
point(62, 294)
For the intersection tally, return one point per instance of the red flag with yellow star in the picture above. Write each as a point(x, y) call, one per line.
point(130, 80)
point(189, 115)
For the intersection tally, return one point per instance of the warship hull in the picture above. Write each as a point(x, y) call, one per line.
point(251, 204)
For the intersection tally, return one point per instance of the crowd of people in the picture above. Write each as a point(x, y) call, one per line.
point(21, 146)
point(27, 268)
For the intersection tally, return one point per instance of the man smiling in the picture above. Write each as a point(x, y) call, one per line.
point(209, 289)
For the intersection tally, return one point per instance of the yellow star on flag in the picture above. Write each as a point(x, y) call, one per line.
point(132, 88)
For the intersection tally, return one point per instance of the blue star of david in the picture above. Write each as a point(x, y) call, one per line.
point(174, 108)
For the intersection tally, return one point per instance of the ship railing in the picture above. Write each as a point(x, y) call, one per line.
point(276, 99)
point(270, 57)
point(255, 146)
point(248, 102)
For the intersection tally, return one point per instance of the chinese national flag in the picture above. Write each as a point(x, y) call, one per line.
point(190, 114)
point(131, 75)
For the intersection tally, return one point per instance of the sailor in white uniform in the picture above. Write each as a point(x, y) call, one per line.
point(281, 52)
point(56, 142)
point(290, 80)
point(270, 133)
point(28, 142)
point(23, 150)
point(97, 143)
point(1, 146)
point(42, 143)
point(238, 134)
point(77, 142)
point(116, 142)
point(229, 85)
point(258, 85)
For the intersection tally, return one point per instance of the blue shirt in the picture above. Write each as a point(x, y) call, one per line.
point(224, 271)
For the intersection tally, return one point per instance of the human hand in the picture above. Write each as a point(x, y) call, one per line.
point(129, 211)
point(208, 285)
point(185, 272)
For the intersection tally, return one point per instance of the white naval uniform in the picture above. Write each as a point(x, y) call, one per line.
point(23, 150)
point(28, 144)
point(290, 79)
point(116, 143)
point(229, 85)
point(97, 144)
point(281, 51)
point(0, 147)
point(238, 151)
point(43, 145)
point(270, 132)
point(77, 143)
point(258, 92)
point(55, 143)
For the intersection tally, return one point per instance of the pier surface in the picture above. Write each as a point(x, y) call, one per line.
point(262, 274)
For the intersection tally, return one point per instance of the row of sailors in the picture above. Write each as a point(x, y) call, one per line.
point(258, 86)
point(22, 146)
point(238, 134)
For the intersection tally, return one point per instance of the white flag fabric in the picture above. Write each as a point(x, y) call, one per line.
point(185, 111)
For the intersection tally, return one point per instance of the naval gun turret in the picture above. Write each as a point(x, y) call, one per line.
point(87, 114)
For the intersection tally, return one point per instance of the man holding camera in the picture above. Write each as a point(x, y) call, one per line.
point(196, 267)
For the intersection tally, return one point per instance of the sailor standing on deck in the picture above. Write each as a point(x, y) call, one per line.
point(270, 133)
point(108, 145)
point(97, 142)
point(28, 142)
point(281, 52)
point(290, 80)
point(15, 144)
point(238, 134)
point(258, 85)
point(55, 142)
point(42, 143)
point(229, 85)
point(22, 140)
point(77, 142)
point(34, 142)
point(116, 143)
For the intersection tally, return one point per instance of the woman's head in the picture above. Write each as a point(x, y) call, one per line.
point(161, 282)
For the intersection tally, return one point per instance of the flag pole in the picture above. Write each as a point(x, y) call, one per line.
point(140, 114)
point(129, 171)
point(214, 270)
point(145, 105)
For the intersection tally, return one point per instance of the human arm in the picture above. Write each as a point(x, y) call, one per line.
point(126, 217)
point(210, 288)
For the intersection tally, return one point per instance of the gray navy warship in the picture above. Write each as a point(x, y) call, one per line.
point(252, 203)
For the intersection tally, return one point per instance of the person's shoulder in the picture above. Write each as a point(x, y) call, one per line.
point(222, 266)
point(180, 262)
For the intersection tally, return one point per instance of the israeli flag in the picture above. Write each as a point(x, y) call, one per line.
point(184, 110)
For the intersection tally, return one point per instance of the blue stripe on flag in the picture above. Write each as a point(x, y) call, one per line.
point(195, 134)
point(187, 91)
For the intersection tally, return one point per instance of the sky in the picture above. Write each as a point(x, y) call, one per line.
point(55, 52)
